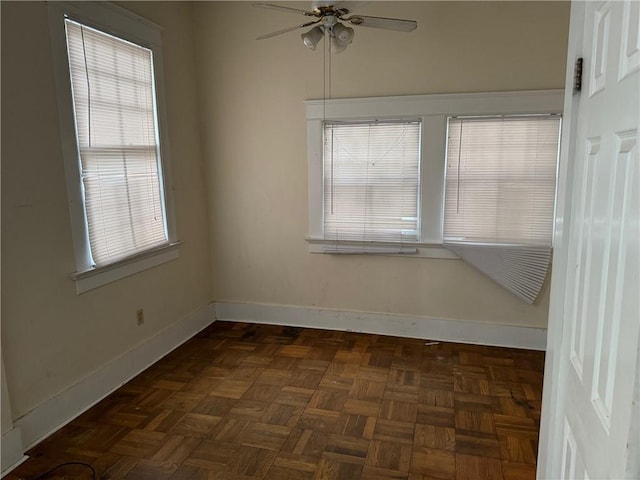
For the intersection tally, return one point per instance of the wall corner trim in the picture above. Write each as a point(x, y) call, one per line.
point(12, 455)
point(460, 331)
point(63, 407)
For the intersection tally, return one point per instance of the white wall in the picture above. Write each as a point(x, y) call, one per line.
point(252, 105)
point(51, 337)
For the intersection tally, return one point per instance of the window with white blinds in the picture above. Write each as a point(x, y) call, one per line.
point(473, 178)
point(371, 181)
point(501, 179)
point(118, 143)
point(500, 197)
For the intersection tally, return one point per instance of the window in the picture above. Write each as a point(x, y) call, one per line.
point(113, 99)
point(371, 177)
point(500, 197)
point(501, 179)
point(116, 163)
point(479, 183)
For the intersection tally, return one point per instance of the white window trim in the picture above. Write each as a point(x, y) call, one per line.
point(433, 110)
point(123, 24)
point(96, 277)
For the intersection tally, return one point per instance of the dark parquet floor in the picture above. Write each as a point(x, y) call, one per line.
point(245, 402)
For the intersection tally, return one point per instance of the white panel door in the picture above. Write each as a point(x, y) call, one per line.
point(589, 417)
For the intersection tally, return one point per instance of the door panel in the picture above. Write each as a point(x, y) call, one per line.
point(596, 288)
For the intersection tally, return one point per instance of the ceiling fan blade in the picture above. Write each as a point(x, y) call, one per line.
point(350, 5)
point(284, 9)
point(397, 24)
point(285, 30)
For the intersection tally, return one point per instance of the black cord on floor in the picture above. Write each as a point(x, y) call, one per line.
point(82, 464)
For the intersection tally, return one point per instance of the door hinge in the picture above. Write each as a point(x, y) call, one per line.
point(577, 78)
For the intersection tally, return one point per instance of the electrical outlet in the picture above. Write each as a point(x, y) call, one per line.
point(140, 316)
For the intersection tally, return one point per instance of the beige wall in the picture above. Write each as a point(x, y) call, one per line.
point(252, 105)
point(51, 337)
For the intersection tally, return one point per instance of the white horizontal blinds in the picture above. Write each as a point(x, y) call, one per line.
point(371, 181)
point(501, 179)
point(114, 106)
point(520, 269)
point(499, 199)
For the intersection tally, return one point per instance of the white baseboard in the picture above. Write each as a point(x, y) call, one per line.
point(59, 410)
point(12, 452)
point(461, 331)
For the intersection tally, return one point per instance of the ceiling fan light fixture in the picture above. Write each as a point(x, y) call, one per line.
point(330, 17)
point(312, 37)
point(336, 47)
point(341, 36)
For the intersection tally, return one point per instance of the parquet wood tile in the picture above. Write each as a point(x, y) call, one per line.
point(279, 414)
point(430, 415)
point(477, 443)
point(196, 425)
point(478, 420)
point(319, 419)
point(375, 473)
point(516, 426)
point(435, 397)
point(213, 405)
point(255, 402)
point(432, 436)
point(437, 381)
point(139, 443)
point(389, 455)
point(399, 411)
point(373, 373)
point(400, 432)
point(346, 449)
point(265, 436)
point(433, 462)
point(162, 420)
point(306, 442)
point(367, 390)
point(474, 467)
point(231, 389)
point(356, 426)
point(114, 467)
point(289, 466)
point(330, 469)
point(518, 471)
point(328, 399)
point(305, 379)
point(296, 396)
point(361, 407)
point(151, 470)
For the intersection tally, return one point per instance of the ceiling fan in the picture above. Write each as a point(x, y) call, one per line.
point(330, 19)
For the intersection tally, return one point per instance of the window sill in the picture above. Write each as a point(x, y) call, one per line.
point(97, 277)
point(414, 250)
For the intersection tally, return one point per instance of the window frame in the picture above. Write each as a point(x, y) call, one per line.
point(123, 24)
point(433, 110)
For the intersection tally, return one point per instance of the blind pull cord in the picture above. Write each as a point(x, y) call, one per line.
point(86, 73)
point(458, 177)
